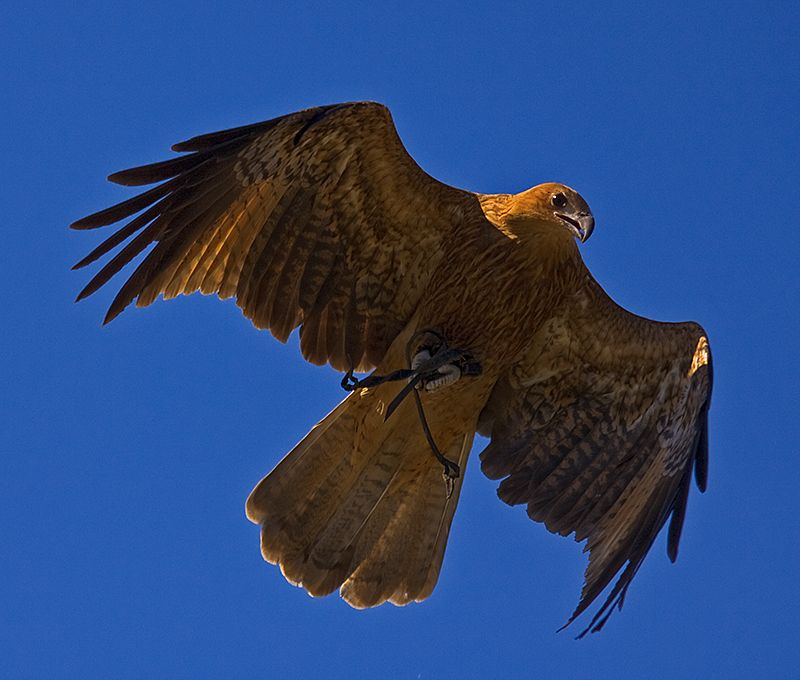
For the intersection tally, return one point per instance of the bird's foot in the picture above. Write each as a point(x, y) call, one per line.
point(443, 375)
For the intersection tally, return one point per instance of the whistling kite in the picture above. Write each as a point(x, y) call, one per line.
point(320, 219)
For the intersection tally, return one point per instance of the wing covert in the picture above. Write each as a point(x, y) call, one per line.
point(317, 219)
point(598, 429)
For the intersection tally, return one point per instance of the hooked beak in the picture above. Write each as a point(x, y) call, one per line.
point(581, 224)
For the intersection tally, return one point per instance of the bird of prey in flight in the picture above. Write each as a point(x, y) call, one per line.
point(474, 312)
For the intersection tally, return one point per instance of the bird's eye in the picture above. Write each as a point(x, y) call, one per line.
point(559, 200)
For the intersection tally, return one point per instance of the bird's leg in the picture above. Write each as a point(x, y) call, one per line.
point(432, 367)
point(444, 375)
point(435, 365)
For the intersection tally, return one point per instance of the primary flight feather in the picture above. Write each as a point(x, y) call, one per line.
point(320, 219)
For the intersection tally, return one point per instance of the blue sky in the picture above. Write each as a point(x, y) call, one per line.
point(129, 450)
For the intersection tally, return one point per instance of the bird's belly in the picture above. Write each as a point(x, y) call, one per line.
point(493, 321)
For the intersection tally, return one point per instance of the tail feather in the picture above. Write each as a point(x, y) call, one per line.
point(360, 504)
point(327, 558)
point(412, 524)
point(297, 485)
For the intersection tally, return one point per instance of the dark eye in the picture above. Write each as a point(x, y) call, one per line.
point(559, 200)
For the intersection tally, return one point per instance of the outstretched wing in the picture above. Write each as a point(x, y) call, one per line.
point(319, 218)
point(597, 431)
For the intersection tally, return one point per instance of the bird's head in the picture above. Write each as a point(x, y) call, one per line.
point(553, 207)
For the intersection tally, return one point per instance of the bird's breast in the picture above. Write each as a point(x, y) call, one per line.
point(491, 300)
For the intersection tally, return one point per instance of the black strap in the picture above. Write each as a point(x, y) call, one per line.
point(427, 370)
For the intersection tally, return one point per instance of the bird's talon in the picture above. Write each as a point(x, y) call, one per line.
point(450, 373)
point(441, 377)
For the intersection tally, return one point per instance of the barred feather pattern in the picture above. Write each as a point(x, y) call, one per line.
point(321, 220)
point(598, 436)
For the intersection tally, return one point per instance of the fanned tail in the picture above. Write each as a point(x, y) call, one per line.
point(361, 504)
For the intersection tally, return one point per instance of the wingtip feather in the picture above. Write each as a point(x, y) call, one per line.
point(111, 315)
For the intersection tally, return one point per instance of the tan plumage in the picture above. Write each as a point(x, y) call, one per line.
point(320, 219)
